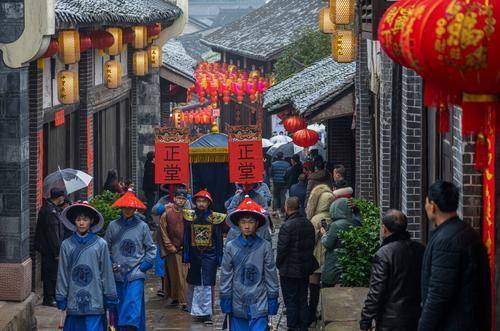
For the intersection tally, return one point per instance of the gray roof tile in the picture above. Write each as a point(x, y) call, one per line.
point(86, 12)
point(176, 59)
point(312, 87)
point(266, 31)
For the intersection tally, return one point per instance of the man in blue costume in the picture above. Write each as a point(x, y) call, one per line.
point(133, 253)
point(85, 284)
point(202, 249)
point(249, 281)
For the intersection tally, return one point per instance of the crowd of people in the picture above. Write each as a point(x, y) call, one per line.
point(444, 286)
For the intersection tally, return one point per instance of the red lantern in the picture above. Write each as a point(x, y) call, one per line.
point(305, 138)
point(239, 99)
point(153, 30)
point(294, 123)
point(52, 49)
point(85, 42)
point(102, 39)
point(128, 36)
point(252, 98)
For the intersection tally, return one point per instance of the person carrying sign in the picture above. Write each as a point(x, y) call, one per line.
point(249, 280)
point(133, 253)
point(202, 249)
point(85, 283)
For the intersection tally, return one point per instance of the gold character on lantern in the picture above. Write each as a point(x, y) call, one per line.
point(67, 87)
point(155, 56)
point(344, 46)
point(113, 74)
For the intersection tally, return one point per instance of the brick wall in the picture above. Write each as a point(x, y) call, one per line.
point(85, 118)
point(411, 150)
point(457, 153)
point(365, 186)
point(35, 173)
point(133, 117)
point(341, 145)
point(385, 136)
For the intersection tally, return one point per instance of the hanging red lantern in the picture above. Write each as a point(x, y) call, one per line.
point(85, 42)
point(128, 35)
point(239, 99)
point(153, 30)
point(294, 123)
point(102, 39)
point(52, 49)
point(305, 138)
point(252, 98)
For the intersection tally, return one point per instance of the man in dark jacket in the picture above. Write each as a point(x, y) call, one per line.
point(393, 300)
point(148, 183)
point(49, 235)
point(293, 173)
point(295, 261)
point(455, 271)
point(278, 171)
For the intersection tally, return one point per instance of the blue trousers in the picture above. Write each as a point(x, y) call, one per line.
point(131, 308)
point(85, 323)
point(254, 324)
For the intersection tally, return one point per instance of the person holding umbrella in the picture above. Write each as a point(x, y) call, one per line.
point(132, 253)
point(85, 282)
point(49, 235)
point(249, 287)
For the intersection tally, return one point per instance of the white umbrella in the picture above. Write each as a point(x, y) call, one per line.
point(266, 143)
point(70, 180)
point(280, 139)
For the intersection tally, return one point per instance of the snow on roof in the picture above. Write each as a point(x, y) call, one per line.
point(266, 31)
point(176, 59)
point(314, 86)
point(71, 13)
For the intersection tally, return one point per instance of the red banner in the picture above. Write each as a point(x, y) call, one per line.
point(246, 163)
point(489, 200)
point(171, 156)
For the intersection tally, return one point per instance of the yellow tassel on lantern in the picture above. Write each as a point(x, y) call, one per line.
point(140, 63)
point(113, 74)
point(325, 23)
point(69, 46)
point(155, 56)
point(141, 37)
point(342, 11)
point(344, 46)
point(67, 87)
point(117, 46)
point(40, 63)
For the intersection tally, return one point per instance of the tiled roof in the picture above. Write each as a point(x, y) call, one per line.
point(86, 12)
point(176, 59)
point(312, 87)
point(195, 49)
point(266, 31)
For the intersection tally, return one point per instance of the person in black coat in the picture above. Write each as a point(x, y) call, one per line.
point(49, 234)
point(455, 270)
point(393, 299)
point(295, 261)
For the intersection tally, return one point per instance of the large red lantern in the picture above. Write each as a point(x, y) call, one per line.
point(305, 138)
point(153, 30)
point(294, 123)
point(128, 36)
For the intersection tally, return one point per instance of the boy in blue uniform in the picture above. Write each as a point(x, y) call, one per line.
point(249, 281)
point(85, 285)
point(133, 253)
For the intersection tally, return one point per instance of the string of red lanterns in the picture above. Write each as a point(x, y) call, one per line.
point(199, 116)
point(226, 81)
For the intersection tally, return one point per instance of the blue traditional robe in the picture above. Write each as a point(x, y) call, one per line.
point(249, 283)
point(202, 249)
point(133, 252)
point(85, 283)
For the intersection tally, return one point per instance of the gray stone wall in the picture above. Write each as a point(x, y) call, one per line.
point(385, 134)
point(147, 98)
point(411, 151)
point(11, 19)
point(14, 165)
point(365, 186)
